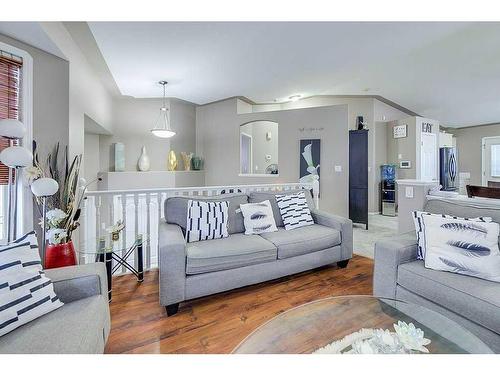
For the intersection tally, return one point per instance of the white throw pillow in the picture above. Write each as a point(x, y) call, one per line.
point(25, 292)
point(462, 246)
point(206, 220)
point(258, 217)
point(294, 210)
point(417, 220)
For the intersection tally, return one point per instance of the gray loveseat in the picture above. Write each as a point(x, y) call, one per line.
point(473, 303)
point(192, 270)
point(80, 326)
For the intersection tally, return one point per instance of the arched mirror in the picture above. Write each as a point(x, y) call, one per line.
point(259, 148)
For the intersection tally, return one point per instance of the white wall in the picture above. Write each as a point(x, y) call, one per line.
point(132, 121)
point(218, 134)
point(87, 95)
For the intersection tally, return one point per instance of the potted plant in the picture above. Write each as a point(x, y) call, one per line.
point(64, 206)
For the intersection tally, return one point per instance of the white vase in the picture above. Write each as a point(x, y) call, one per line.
point(143, 162)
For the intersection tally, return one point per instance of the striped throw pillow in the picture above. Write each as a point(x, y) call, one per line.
point(25, 292)
point(294, 210)
point(206, 220)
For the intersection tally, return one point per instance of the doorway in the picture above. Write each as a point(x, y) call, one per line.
point(246, 153)
point(428, 157)
point(490, 161)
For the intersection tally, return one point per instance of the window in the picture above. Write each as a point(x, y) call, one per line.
point(10, 80)
point(495, 160)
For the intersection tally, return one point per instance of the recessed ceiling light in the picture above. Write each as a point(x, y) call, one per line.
point(294, 98)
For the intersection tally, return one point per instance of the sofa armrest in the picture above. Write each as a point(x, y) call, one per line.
point(77, 282)
point(172, 263)
point(340, 223)
point(389, 254)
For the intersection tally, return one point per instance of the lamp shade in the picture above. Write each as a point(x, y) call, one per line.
point(44, 187)
point(12, 129)
point(162, 127)
point(163, 133)
point(16, 157)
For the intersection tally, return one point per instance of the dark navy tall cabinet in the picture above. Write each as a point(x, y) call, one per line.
point(358, 176)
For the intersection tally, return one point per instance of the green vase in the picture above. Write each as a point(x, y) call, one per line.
point(197, 163)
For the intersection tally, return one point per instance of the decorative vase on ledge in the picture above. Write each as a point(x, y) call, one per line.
point(197, 163)
point(144, 163)
point(60, 255)
point(186, 158)
point(172, 161)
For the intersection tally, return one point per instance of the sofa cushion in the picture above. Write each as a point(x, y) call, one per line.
point(475, 299)
point(77, 327)
point(176, 210)
point(237, 250)
point(303, 240)
point(256, 197)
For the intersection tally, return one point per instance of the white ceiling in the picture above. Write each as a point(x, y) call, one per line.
point(446, 71)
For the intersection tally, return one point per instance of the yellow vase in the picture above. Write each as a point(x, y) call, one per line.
point(172, 161)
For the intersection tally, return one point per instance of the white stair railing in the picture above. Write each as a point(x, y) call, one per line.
point(142, 209)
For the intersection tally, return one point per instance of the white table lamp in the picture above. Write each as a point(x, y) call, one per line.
point(43, 188)
point(12, 129)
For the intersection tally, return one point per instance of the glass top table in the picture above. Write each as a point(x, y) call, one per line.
point(309, 327)
point(115, 253)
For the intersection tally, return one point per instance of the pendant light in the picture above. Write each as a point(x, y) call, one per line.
point(162, 127)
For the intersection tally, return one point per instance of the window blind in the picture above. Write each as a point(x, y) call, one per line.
point(10, 80)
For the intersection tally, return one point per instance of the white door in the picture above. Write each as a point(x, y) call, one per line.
point(428, 157)
point(491, 160)
point(245, 153)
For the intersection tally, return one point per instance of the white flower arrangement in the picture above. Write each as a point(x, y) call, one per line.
point(406, 340)
point(56, 236)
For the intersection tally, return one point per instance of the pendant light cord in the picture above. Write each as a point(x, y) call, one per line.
point(164, 102)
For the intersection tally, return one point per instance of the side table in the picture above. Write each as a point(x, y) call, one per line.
point(116, 255)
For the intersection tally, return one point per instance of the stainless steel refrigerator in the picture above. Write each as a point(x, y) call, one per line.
point(448, 170)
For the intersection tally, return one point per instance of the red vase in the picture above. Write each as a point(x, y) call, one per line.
point(61, 255)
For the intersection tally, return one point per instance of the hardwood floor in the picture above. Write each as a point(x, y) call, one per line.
point(216, 324)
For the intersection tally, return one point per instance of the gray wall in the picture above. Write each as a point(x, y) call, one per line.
point(469, 148)
point(218, 133)
point(132, 121)
point(404, 146)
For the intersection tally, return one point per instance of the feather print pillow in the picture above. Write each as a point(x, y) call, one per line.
point(462, 246)
point(417, 220)
point(258, 217)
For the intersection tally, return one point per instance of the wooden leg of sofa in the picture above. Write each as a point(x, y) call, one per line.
point(343, 263)
point(172, 309)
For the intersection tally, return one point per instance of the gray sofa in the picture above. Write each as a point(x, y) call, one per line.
point(80, 326)
point(473, 303)
point(192, 270)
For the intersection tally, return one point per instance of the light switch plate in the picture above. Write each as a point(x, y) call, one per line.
point(409, 192)
point(338, 168)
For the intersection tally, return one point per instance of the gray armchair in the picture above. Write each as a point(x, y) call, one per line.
point(80, 326)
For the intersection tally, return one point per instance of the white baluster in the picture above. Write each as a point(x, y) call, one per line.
point(136, 221)
point(97, 204)
point(148, 231)
point(123, 201)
